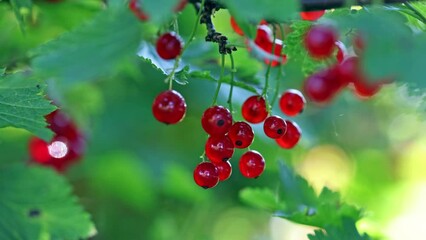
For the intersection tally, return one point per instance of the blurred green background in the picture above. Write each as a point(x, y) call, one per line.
point(136, 176)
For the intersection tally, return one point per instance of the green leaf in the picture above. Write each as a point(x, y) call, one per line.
point(347, 231)
point(303, 206)
point(22, 9)
point(91, 51)
point(23, 105)
point(296, 191)
point(36, 203)
point(328, 211)
point(269, 10)
point(262, 198)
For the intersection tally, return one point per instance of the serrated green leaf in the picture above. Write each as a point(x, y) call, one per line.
point(269, 10)
point(304, 207)
point(347, 231)
point(21, 8)
point(328, 211)
point(91, 51)
point(262, 198)
point(23, 105)
point(36, 203)
point(296, 191)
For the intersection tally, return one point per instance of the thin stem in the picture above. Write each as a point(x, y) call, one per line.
point(170, 78)
point(232, 82)
point(277, 85)
point(417, 12)
point(268, 71)
point(219, 82)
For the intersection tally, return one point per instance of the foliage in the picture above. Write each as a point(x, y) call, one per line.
point(97, 61)
point(33, 208)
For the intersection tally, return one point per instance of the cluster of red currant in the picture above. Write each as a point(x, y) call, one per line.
point(322, 86)
point(66, 147)
point(226, 135)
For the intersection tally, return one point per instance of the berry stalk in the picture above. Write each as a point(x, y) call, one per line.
point(190, 39)
point(232, 82)
point(219, 82)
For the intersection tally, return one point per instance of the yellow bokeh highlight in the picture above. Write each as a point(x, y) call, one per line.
point(326, 165)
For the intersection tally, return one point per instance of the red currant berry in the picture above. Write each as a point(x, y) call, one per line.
point(274, 127)
point(292, 102)
point(169, 107)
point(219, 149)
point(364, 89)
point(216, 120)
point(341, 51)
point(263, 37)
point(264, 40)
point(224, 169)
point(39, 150)
point(349, 70)
point(241, 134)
point(235, 27)
point(206, 175)
point(319, 41)
point(252, 164)
point(322, 86)
point(137, 10)
point(254, 109)
point(169, 45)
point(312, 16)
point(291, 137)
point(62, 125)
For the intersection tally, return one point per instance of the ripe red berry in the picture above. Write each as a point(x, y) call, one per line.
point(216, 120)
point(254, 109)
point(39, 151)
point(291, 137)
point(292, 102)
point(252, 164)
point(235, 27)
point(224, 169)
point(312, 15)
point(62, 125)
point(219, 149)
point(322, 86)
point(364, 89)
point(349, 70)
point(66, 147)
point(169, 45)
point(319, 41)
point(241, 134)
point(274, 127)
point(169, 107)
point(264, 40)
point(206, 175)
point(137, 10)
